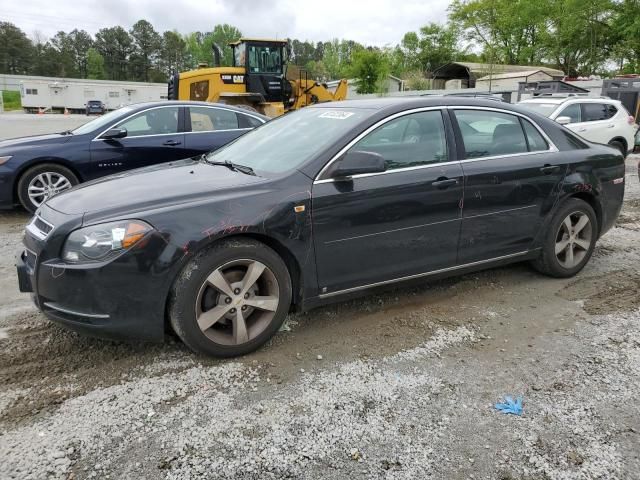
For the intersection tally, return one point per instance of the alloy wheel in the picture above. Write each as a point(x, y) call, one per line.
point(45, 185)
point(573, 239)
point(237, 302)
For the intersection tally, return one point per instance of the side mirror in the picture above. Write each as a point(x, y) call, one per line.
point(358, 162)
point(114, 133)
point(563, 120)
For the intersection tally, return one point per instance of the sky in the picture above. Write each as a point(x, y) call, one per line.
point(371, 22)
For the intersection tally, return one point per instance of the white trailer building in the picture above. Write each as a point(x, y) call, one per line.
point(58, 94)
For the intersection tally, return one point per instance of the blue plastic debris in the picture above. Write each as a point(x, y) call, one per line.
point(510, 406)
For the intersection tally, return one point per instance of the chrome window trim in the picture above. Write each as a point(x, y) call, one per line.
point(420, 275)
point(225, 130)
point(552, 147)
point(97, 137)
point(54, 306)
point(365, 133)
point(35, 231)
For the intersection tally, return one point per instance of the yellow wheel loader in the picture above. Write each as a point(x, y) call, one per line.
point(259, 80)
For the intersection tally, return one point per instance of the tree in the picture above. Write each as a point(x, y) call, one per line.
point(510, 31)
point(146, 48)
point(15, 50)
point(173, 55)
point(370, 68)
point(579, 39)
point(222, 35)
point(64, 55)
point(95, 65)
point(625, 37)
point(79, 43)
point(115, 45)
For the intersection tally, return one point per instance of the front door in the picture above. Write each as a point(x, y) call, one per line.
point(153, 136)
point(512, 177)
point(405, 221)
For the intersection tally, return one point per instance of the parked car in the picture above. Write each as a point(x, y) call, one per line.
point(32, 169)
point(318, 205)
point(600, 120)
point(95, 106)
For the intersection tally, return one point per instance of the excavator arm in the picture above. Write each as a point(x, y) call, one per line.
point(307, 92)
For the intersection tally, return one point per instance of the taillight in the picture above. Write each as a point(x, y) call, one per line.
point(631, 120)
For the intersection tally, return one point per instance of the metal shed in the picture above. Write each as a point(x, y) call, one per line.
point(627, 90)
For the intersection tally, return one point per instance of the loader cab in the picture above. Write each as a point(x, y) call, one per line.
point(263, 61)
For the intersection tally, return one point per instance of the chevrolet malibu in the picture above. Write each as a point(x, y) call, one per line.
point(318, 205)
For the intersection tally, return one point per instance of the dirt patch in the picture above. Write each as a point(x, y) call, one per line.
point(610, 293)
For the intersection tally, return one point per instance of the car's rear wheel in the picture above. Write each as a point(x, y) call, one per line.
point(42, 182)
point(617, 144)
point(569, 241)
point(231, 298)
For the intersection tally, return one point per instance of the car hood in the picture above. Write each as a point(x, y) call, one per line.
point(159, 186)
point(34, 141)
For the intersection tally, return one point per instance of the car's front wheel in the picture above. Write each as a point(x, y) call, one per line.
point(42, 182)
point(569, 240)
point(231, 298)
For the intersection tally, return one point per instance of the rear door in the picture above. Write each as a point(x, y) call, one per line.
point(209, 128)
point(512, 174)
point(153, 136)
point(405, 221)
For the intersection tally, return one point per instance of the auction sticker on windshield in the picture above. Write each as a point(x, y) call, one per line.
point(336, 114)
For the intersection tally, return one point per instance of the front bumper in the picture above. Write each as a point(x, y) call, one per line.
point(122, 299)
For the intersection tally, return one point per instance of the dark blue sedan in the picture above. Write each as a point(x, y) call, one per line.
point(32, 169)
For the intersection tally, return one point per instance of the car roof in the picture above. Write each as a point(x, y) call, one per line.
point(560, 100)
point(187, 103)
point(409, 102)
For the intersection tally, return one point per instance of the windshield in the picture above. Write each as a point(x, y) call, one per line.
point(545, 109)
point(102, 121)
point(289, 141)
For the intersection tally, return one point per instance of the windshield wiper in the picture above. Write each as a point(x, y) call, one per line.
point(233, 166)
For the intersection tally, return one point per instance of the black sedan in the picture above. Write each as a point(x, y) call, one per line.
point(32, 169)
point(317, 205)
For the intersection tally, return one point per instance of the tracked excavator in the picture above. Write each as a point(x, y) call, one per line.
point(260, 79)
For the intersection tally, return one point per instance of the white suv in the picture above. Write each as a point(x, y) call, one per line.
point(597, 119)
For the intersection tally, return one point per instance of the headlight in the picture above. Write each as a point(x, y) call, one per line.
point(4, 160)
point(99, 243)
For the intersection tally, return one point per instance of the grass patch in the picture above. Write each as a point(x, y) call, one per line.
point(11, 100)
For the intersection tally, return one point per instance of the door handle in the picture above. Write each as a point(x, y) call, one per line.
point(171, 143)
point(444, 182)
point(610, 126)
point(549, 169)
point(582, 129)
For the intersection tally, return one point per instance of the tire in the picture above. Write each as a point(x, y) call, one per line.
point(618, 145)
point(564, 263)
point(194, 297)
point(37, 178)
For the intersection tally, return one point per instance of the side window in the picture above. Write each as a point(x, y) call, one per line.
point(157, 121)
point(573, 112)
point(407, 141)
point(199, 90)
point(488, 133)
point(205, 119)
point(611, 111)
point(536, 142)
point(594, 112)
point(246, 121)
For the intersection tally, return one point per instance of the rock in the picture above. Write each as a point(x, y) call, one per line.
point(319, 357)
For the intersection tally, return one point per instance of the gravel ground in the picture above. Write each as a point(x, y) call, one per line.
point(399, 385)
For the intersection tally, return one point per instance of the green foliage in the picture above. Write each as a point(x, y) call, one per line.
point(15, 50)
point(95, 65)
point(11, 100)
point(370, 69)
point(580, 37)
